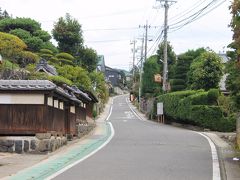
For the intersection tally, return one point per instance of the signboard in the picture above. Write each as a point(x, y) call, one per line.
point(159, 108)
point(157, 78)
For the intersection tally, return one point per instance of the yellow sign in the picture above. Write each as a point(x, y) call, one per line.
point(157, 78)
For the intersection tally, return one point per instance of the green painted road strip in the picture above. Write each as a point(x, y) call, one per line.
point(71, 157)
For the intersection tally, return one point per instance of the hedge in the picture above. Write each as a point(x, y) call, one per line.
point(197, 108)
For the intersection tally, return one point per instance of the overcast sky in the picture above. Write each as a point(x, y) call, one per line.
point(109, 25)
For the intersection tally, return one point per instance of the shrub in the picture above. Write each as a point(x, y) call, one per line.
point(59, 80)
point(10, 45)
point(46, 51)
point(65, 56)
point(196, 107)
point(213, 95)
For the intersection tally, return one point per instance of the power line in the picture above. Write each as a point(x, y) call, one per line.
point(111, 29)
point(198, 16)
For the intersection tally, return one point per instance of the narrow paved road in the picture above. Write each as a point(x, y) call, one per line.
point(143, 150)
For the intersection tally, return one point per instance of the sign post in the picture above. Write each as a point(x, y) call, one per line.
point(160, 113)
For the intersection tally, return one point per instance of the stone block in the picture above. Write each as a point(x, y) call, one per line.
point(8, 143)
point(53, 144)
point(42, 136)
point(26, 146)
point(19, 146)
point(33, 144)
point(3, 148)
point(43, 145)
point(64, 140)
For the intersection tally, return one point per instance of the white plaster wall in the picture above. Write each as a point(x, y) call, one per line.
point(21, 98)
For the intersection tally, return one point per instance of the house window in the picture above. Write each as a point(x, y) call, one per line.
point(61, 105)
point(56, 105)
point(50, 101)
point(111, 76)
point(72, 109)
point(84, 105)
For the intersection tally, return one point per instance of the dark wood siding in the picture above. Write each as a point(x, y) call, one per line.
point(80, 114)
point(31, 119)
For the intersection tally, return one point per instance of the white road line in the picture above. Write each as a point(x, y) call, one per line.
point(89, 155)
point(215, 162)
point(110, 112)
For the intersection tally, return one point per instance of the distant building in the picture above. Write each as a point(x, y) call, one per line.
point(101, 64)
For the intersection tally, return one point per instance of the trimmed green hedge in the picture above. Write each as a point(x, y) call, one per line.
point(197, 108)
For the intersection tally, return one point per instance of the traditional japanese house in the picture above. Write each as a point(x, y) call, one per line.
point(39, 106)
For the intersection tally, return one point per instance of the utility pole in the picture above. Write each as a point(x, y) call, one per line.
point(141, 69)
point(146, 27)
point(133, 64)
point(165, 62)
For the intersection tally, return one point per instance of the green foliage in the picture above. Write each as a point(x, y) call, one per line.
point(59, 80)
point(22, 34)
point(65, 59)
point(98, 82)
point(196, 107)
point(50, 46)
point(151, 67)
point(65, 56)
point(171, 56)
point(213, 95)
point(34, 44)
point(10, 45)
point(27, 57)
point(67, 32)
point(88, 59)
point(205, 71)
point(3, 14)
point(77, 75)
point(26, 24)
point(8, 65)
point(44, 35)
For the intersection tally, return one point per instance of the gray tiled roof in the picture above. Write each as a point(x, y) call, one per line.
point(44, 66)
point(26, 85)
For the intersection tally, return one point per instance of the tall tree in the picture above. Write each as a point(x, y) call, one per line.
point(171, 57)
point(68, 33)
point(182, 67)
point(88, 59)
point(150, 68)
point(205, 71)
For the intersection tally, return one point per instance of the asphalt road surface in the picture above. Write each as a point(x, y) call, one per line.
point(142, 150)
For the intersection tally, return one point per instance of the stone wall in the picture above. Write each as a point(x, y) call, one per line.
point(238, 130)
point(84, 129)
point(41, 143)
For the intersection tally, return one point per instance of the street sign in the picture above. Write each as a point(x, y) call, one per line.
point(160, 108)
point(157, 78)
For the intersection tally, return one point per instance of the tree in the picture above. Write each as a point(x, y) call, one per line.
point(182, 67)
point(29, 31)
point(88, 59)
point(26, 24)
point(68, 33)
point(150, 68)
point(99, 85)
point(205, 71)
point(171, 57)
point(10, 45)
point(77, 75)
point(65, 59)
point(3, 14)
